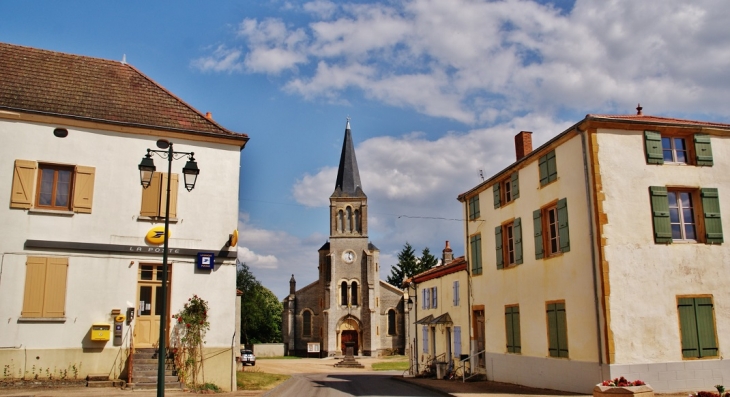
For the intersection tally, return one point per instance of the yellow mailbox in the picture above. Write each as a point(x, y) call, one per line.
point(100, 331)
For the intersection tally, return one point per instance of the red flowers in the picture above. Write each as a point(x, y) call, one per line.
point(622, 382)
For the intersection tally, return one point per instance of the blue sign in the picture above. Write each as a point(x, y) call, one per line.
point(206, 260)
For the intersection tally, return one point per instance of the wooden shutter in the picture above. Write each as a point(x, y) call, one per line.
point(23, 184)
point(543, 165)
point(516, 329)
point(557, 330)
point(508, 329)
point(173, 195)
point(711, 211)
point(54, 302)
point(653, 146)
point(563, 231)
point(688, 327)
point(515, 181)
point(476, 254)
point(512, 323)
point(537, 223)
point(434, 297)
point(423, 299)
point(498, 246)
point(660, 215)
point(35, 285)
point(428, 298)
point(703, 150)
point(497, 195)
point(83, 189)
point(151, 197)
point(457, 341)
point(552, 166)
point(706, 327)
point(562, 329)
point(517, 235)
point(425, 339)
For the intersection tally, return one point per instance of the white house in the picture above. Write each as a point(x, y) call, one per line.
point(77, 245)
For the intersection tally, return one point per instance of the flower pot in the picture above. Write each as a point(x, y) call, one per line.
point(623, 391)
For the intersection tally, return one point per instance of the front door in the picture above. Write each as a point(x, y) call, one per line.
point(149, 304)
point(349, 336)
point(479, 324)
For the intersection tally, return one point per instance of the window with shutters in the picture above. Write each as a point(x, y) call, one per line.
point(45, 186)
point(154, 197)
point(686, 215)
point(45, 288)
point(697, 327)
point(512, 327)
point(557, 329)
point(507, 190)
point(474, 208)
point(391, 322)
point(663, 148)
point(508, 239)
point(424, 331)
point(457, 341)
point(548, 168)
point(456, 292)
point(434, 297)
point(475, 244)
point(552, 235)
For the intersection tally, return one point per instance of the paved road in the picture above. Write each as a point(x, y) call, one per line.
point(348, 384)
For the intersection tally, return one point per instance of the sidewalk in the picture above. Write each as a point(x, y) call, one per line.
point(481, 388)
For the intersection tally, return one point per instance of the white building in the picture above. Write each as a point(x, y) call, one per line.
point(601, 254)
point(73, 237)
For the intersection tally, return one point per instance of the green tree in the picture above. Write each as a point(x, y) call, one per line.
point(407, 266)
point(426, 261)
point(260, 309)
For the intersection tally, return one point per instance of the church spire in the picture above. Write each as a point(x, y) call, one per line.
point(348, 176)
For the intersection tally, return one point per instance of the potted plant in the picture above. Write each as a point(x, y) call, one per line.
point(612, 387)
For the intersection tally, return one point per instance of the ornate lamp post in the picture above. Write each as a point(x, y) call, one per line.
point(190, 173)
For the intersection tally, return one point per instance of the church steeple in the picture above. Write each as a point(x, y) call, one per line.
point(348, 176)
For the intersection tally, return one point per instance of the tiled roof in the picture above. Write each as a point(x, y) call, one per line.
point(93, 89)
point(456, 265)
point(655, 119)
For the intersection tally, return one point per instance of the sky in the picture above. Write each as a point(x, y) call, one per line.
point(435, 91)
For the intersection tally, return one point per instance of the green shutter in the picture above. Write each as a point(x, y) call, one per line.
point(509, 329)
point(515, 180)
point(552, 166)
point(497, 196)
point(474, 207)
point(558, 330)
point(688, 327)
point(552, 330)
point(543, 164)
point(711, 211)
point(498, 245)
point(703, 150)
point(653, 146)
point(660, 214)
point(476, 254)
point(516, 329)
point(706, 327)
point(517, 234)
point(537, 222)
point(563, 231)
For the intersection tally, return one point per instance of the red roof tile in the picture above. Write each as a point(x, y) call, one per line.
point(655, 119)
point(94, 89)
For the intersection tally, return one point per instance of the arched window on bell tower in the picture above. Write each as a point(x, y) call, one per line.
point(343, 293)
point(353, 293)
point(357, 222)
point(340, 221)
point(348, 220)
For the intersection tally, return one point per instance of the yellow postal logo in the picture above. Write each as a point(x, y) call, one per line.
point(156, 235)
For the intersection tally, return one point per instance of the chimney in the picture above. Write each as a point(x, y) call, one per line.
point(447, 255)
point(523, 144)
point(209, 115)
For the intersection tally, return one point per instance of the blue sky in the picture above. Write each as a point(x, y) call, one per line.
point(436, 91)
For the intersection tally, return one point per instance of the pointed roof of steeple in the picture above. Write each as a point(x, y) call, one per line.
point(348, 176)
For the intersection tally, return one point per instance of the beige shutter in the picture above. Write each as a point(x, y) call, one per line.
point(54, 302)
point(83, 189)
point(173, 195)
point(23, 184)
point(35, 280)
point(151, 197)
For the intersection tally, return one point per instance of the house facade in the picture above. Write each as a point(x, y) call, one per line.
point(601, 254)
point(348, 303)
point(82, 241)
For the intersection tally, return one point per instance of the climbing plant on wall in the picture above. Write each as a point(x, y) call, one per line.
point(191, 325)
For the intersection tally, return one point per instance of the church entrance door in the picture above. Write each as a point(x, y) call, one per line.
point(349, 336)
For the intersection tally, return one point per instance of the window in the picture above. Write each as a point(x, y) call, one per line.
point(475, 242)
point(456, 293)
point(697, 326)
point(434, 300)
point(457, 341)
point(45, 287)
point(507, 190)
point(512, 326)
point(552, 235)
point(353, 293)
point(674, 149)
point(548, 168)
point(691, 215)
point(428, 298)
point(52, 187)
point(508, 243)
point(307, 323)
point(154, 198)
point(391, 322)
point(343, 293)
point(474, 207)
point(557, 330)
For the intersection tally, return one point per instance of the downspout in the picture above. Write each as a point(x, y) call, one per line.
point(468, 283)
point(589, 206)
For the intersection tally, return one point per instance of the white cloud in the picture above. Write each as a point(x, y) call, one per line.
point(222, 59)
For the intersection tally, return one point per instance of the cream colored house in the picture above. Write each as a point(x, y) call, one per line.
point(80, 238)
point(439, 319)
point(601, 254)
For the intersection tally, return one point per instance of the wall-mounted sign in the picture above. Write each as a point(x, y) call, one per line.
point(234, 238)
point(206, 260)
point(156, 235)
point(313, 347)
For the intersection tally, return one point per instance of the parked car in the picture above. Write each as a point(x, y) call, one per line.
point(247, 357)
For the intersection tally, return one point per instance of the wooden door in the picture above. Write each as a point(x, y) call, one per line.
point(479, 317)
point(149, 305)
point(349, 336)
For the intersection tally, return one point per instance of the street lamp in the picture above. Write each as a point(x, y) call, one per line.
point(190, 172)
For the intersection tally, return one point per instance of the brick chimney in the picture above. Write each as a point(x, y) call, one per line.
point(447, 255)
point(523, 144)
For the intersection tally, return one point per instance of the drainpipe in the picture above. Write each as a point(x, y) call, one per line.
point(468, 285)
point(589, 205)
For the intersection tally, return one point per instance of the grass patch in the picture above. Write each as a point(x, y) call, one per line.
point(391, 366)
point(253, 380)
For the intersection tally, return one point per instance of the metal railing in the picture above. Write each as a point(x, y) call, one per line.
point(462, 366)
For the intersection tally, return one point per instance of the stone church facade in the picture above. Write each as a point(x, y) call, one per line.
point(348, 302)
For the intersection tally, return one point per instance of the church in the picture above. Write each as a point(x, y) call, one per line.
point(348, 302)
